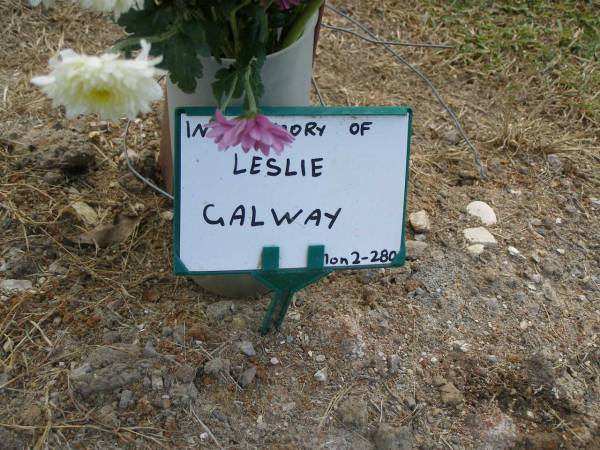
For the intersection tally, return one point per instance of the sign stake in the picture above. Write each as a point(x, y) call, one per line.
point(286, 284)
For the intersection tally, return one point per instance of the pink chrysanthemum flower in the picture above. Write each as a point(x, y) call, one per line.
point(287, 4)
point(258, 133)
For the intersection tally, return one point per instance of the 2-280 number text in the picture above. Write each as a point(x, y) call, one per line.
point(356, 258)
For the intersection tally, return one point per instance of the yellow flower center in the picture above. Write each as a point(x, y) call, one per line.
point(101, 95)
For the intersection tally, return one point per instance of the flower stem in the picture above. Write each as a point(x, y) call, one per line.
point(297, 28)
point(249, 92)
point(234, 27)
point(230, 94)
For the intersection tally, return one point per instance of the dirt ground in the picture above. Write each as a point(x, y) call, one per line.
point(103, 347)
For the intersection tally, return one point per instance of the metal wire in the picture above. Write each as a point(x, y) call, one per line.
point(422, 76)
point(135, 172)
point(374, 39)
point(318, 91)
point(377, 41)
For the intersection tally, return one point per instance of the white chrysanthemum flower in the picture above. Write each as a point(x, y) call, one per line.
point(118, 7)
point(46, 3)
point(107, 85)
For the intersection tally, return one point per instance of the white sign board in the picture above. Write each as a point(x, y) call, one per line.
point(342, 184)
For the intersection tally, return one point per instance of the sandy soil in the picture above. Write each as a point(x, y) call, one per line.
point(108, 349)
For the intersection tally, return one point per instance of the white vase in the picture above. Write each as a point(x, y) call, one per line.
point(286, 76)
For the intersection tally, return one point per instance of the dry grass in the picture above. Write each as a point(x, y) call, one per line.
point(515, 120)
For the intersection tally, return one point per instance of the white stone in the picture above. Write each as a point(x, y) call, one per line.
point(321, 375)
point(85, 212)
point(513, 251)
point(320, 358)
point(460, 346)
point(420, 222)
point(475, 250)
point(274, 361)
point(480, 235)
point(15, 285)
point(483, 211)
point(167, 215)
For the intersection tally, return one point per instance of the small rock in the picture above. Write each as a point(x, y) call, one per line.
point(394, 364)
point(420, 221)
point(178, 334)
point(552, 268)
point(126, 399)
point(274, 361)
point(185, 374)
point(492, 359)
point(439, 380)
point(370, 295)
point(498, 432)
point(481, 236)
point(247, 348)
point(540, 369)
point(150, 351)
point(555, 163)
point(164, 402)
point(420, 237)
point(535, 277)
point(167, 215)
point(389, 437)
point(21, 266)
point(570, 392)
point(131, 183)
point(157, 381)
point(320, 358)
point(321, 375)
point(524, 324)
point(85, 213)
point(108, 417)
point(219, 310)
point(415, 249)
point(512, 251)
point(30, 416)
point(450, 395)
point(53, 178)
point(15, 285)
point(183, 394)
point(475, 250)
point(56, 268)
point(217, 366)
point(483, 211)
point(80, 371)
point(550, 293)
point(460, 346)
point(247, 376)
point(354, 413)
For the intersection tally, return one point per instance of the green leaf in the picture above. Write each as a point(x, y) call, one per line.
point(180, 58)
